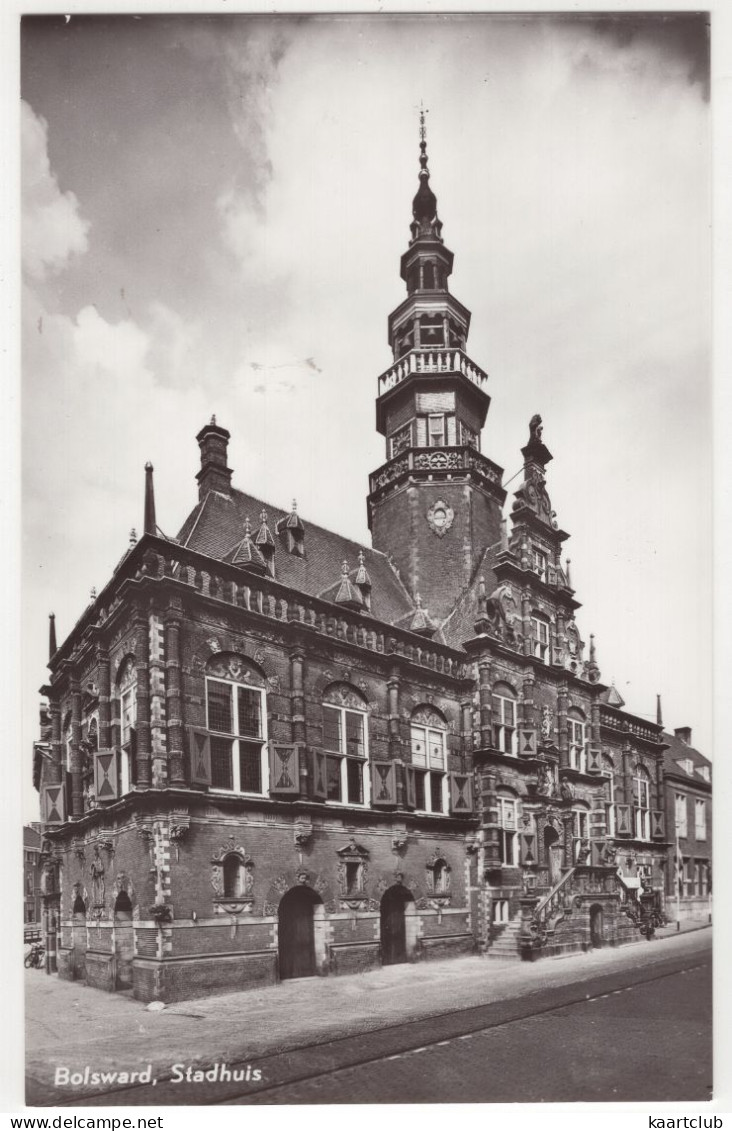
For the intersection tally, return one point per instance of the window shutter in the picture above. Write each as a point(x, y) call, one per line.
point(527, 844)
point(106, 769)
point(410, 789)
point(383, 783)
point(527, 742)
point(623, 820)
point(594, 763)
point(598, 822)
point(53, 805)
point(461, 794)
point(657, 823)
point(319, 781)
point(199, 747)
point(598, 853)
point(284, 769)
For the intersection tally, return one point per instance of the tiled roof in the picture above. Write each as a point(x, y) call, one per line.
point(680, 751)
point(458, 627)
point(216, 525)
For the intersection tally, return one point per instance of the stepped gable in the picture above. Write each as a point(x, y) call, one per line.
point(214, 527)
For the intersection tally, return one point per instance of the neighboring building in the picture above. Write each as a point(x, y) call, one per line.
point(32, 876)
point(275, 752)
point(688, 778)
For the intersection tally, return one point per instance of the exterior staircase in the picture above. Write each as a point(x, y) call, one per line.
point(507, 945)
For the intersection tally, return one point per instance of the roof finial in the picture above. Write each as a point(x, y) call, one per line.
point(133, 537)
point(52, 646)
point(93, 593)
point(344, 568)
point(424, 205)
point(247, 528)
point(294, 506)
point(213, 419)
point(150, 526)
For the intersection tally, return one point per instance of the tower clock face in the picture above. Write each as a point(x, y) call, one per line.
point(440, 517)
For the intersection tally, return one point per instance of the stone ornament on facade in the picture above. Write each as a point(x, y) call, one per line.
point(440, 518)
point(234, 667)
point(344, 696)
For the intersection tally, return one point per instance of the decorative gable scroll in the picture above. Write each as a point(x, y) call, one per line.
point(461, 794)
point(106, 775)
point(53, 805)
point(284, 769)
point(383, 784)
point(199, 749)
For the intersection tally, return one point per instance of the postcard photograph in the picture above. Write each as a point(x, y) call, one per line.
point(367, 558)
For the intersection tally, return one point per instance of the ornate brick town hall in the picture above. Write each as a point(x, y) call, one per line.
point(271, 752)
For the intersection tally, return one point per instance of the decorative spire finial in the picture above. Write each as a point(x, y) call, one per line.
point(294, 506)
point(419, 601)
point(424, 205)
point(150, 526)
point(133, 537)
point(52, 646)
point(344, 568)
point(592, 647)
point(247, 528)
point(93, 593)
point(213, 419)
point(361, 557)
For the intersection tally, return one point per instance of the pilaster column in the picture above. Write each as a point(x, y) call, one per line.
point(526, 620)
point(142, 668)
point(486, 705)
point(105, 702)
point(55, 775)
point(297, 664)
point(77, 795)
point(174, 714)
point(595, 722)
point(466, 714)
point(395, 745)
point(529, 710)
point(562, 709)
point(567, 819)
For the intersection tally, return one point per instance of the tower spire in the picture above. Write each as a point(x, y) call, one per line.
point(424, 205)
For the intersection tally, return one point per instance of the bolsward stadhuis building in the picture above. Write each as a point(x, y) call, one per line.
point(271, 752)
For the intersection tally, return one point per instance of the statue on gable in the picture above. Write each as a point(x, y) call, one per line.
point(535, 429)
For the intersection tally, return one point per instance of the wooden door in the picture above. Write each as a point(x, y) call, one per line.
point(124, 941)
point(393, 926)
point(296, 933)
point(596, 926)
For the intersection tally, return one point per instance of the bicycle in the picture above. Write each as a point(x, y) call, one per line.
point(35, 957)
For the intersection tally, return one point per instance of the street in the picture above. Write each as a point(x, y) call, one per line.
point(628, 1025)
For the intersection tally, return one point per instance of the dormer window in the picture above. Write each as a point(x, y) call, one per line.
point(686, 765)
point(539, 563)
point(703, 772)
point(540, 633)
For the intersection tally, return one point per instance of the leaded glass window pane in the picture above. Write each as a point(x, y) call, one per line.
point(219, 707)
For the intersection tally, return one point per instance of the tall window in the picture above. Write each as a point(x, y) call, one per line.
point(540, 630)
point(539, 562)
point(436, 430)
point(507, 834)
point(345, 740)
point(237, 721)
point(700, 819)
point(642, 803)
point(580, 831)
point(127, 696)
point(577, 733)
point(680, 814)
point(608, 773)
point(429, 756)
point(504, 721)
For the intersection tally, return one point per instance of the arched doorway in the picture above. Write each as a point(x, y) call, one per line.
point(124, 944)
point(296, 933)
point(553, 853)
point(394, 925)
point(597, 931)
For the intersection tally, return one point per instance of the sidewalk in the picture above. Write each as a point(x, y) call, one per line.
point(70, 1025)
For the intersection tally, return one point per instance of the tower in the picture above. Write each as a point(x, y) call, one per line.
point(435, 505)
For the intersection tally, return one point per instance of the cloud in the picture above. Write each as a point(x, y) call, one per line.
point(53, 229)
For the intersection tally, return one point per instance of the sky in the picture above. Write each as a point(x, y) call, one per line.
point(213, 213)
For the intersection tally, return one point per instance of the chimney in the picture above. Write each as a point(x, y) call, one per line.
point(150, 526)
point(52, 645)
point(214, 474)
point(684, 733)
